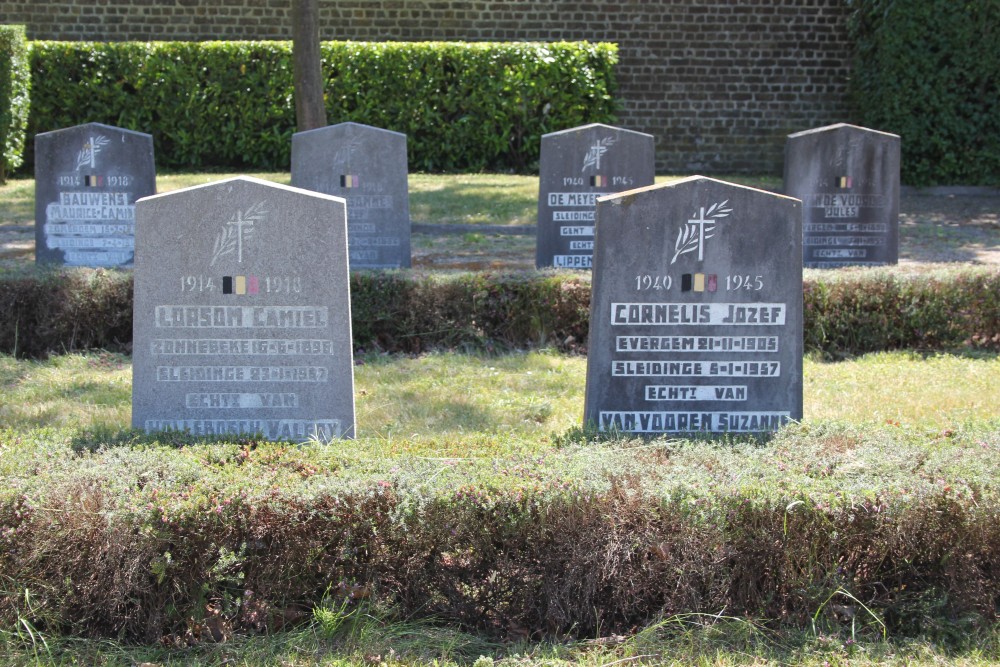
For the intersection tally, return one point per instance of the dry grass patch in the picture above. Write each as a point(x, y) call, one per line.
point(904, 388)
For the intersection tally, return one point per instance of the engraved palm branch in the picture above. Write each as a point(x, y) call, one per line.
point(236, 231)
point(593, 156)
point(90, 151)
point(701, 227)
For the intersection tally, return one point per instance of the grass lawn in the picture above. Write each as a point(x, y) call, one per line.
point(932, 228)
point(365, 639)
point(896, 426)
point(457, 404)
point(456, 416)
point(448, 407)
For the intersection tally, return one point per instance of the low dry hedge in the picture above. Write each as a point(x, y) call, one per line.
point(846, 312)
point(828, 527)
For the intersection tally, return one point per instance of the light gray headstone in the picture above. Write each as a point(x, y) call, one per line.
point(577, 166)
point(696, 311)
point(366, 166)
point(848, 180)
point(242, 319)
point(87, 180)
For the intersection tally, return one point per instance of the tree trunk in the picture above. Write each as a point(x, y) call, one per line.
point(310, 111)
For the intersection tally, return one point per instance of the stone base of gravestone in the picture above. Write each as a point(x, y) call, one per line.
point(696, 310)
point(242, 316)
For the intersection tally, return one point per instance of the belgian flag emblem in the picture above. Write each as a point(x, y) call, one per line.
point(240, 285)
point(699, 282)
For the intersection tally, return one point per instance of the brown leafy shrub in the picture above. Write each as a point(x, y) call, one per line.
point(52, 311)
point(861, 311)
point(846, 312)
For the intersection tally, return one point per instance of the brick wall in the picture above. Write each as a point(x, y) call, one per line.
point(719, 83)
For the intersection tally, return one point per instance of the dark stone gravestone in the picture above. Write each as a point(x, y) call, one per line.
point(576, 167)
point(848, 180)
point(696, 311)
point(87, 180)
point(242, 317)
point(366, 166)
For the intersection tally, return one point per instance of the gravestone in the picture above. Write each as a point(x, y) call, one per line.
point(848, 180)
point(87, 180)
point(696, 310)
point(366, 166)
point(242, 315)
point(576, 167)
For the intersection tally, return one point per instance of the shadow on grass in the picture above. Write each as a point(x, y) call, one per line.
point(971, 353)
point(455, 415)
point(949, 228)
point(100, 437)
point(13, 373)
point(590, 435)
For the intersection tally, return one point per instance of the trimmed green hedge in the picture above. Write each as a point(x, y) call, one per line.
point(463, 106)
point(15, 86)
point(846, 312)
point(928, 71)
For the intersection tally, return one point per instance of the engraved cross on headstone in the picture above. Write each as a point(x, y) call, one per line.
point(90, 151)
point(240, 222)
point(701, 221)
point(86, 157)
point(593, 156)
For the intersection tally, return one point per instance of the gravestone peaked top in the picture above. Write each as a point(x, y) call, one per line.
point(577, 166)
point(242, 315)
point(696, 310)
point(848, 180)
point(366, 166)
point(87, 180)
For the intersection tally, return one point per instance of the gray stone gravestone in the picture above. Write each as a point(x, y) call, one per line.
point(696, 310)
point(87, 180)
point(242, 315)
point(575, 168)
point(366, 166)
point(848, 180)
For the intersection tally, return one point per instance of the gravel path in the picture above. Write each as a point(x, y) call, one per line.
point(949, 228)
